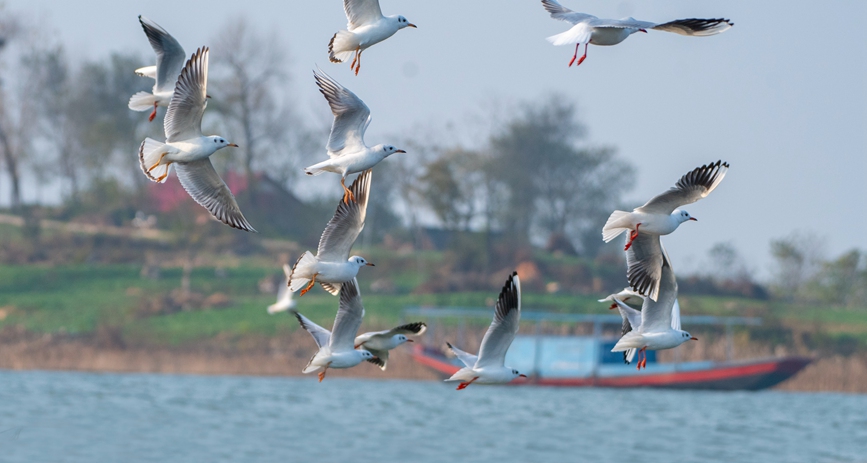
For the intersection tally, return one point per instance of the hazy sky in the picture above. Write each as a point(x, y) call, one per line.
point(781, 96)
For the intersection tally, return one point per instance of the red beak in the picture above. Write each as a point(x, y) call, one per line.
point(523, 376)
point(369, 264)
point(400, 151)
point(643, 30)
point(694, 338)
point(693, 219)
point(409, 340)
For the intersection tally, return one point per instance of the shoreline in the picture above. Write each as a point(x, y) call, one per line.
point(288, 356)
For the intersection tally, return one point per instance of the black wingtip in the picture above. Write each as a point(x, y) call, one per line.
point(449, 344)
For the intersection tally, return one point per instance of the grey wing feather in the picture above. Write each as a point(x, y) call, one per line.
point(466, 358)
point(558, 11)
point(696, 27)
point(361, 12)
point(183, 119)
point(410, 329)
point(348, 221)
point(381, 359)
point(320, 334)
point(656, 315)
point(644, 265)
point(170, 54)
point(694, 185)
point(504, 327)
point(626, 23)
point(351, 116)
point(332, 288)
point(348, 318)
point(205, 186)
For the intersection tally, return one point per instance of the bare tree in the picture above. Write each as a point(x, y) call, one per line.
point(16, 111)
point(798, 258)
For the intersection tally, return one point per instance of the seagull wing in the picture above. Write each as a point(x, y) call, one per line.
point(627, 23)
point(206, 187)
point(410, 329)
point(184, 117)
point(501, 333)
point(351, 116)
point(631, 321)
point(347, 223)
point(675, 315)
point(466, 358)
point(361, 12)
point(320, 334)
point(348, 318)
point(170, 55)
point(644, 265)
point(694, 185)
point(656, 315)
point(560, 12)
point(696, 27)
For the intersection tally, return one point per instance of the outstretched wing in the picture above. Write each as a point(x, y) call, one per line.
point(184, 117)
point(348, 318)
point(170, 55)
point(694, 185)
point(410, 329)
point(558, 11)
point(348, 221)
point(351, 116)
point(656, 315)
point(466, 358)
point(361, 12)
point(696, 27)
point(205, 186)
point(320, 334)
point(644, 265)
point(501, 333)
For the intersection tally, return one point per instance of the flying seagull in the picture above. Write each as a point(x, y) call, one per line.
point(380, 342)
point(367, 27)
point(336, 346)
point(346, 149)
point(627, 295)
point(188, 150)
point(589, 29)
point(489, 366)
point(659, 325)
point(659, 216)
point(170, 62)
point(332, 265)
point(284, 296)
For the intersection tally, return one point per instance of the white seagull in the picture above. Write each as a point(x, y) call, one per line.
point(170, 62)
point(346, 149)
point(627, 295)
point(335, 347)
point(659, 325)
point(367, 27)
point(188, 150)
point(589, 29)
point(488, 367)
point(332, 264)
point(659, 216)
point(284, 296)
point(380, 342)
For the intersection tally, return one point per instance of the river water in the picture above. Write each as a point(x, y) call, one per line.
point(84, 417)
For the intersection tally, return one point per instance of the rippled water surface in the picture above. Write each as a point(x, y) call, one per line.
point(80, 417)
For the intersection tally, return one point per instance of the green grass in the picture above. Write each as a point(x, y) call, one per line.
point(78, 299)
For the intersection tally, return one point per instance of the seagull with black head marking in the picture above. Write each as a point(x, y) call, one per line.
point(332, 265)
point(367, 27)
point(346, 148)
point(336, 348)
point(380, 342)
point(658, 327)
point(588, 29)
point(170, 62)
point(659, 216)
point(190, 151)
point(489, 366)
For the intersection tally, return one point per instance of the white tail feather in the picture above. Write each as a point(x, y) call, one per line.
point(149, 153)
point(618, 222)
point(302, 272)
point(343, 44)
point(142, 101)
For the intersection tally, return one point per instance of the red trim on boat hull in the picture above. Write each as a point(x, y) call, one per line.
point(750, 375)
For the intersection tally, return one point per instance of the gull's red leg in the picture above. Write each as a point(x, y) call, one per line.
point(632, 235)
point(584, 56)
point(464, 385)
point(153, 113)
point(575, 56)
